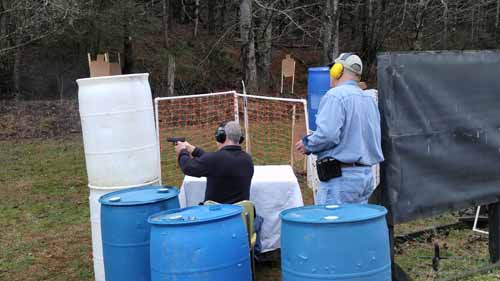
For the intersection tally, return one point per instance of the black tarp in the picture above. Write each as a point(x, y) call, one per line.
point(440, 131)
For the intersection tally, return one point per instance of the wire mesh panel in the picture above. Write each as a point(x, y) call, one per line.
point(194, 118)
point(271, 126)
point(274, 126)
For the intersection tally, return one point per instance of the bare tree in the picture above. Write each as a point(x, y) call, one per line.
point(4, 20)
point(196, 17)
point(165, 6)
point(473, 26)
point(248, 46)
point(23, 22)
point(497, 21)
point(143, 32)
point(171, 75)
point(445, 20)
point(420, 19)
point(224, 14)
point(264, 39)
point(330, 31)
point(211, 6)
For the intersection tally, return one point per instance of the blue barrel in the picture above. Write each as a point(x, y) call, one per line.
point(202, 243)
point(125, 230)
point(318, 83)
point(347, 242)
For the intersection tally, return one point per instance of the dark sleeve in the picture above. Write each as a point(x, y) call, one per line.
point(195, 167)
point(197, 152)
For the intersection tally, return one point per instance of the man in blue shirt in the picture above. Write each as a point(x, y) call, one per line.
point(348, 134)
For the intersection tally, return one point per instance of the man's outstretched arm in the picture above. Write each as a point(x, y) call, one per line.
point(198, 166)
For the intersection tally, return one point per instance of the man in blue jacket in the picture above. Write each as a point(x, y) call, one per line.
point(347, 137)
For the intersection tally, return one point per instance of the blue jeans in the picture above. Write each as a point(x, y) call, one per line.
point(354, 186)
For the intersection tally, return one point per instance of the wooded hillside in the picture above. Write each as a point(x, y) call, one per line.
point(211, 45)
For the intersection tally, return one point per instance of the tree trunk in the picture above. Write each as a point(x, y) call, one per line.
point(367, 24)
point(445, 21)
point(334, 52)
point(16, 68)
point(211, 16)
point(3, 24)
point(171, 75)
point(196, 19)
point(497, 24)
point(224, 12)
point(418, 45)
point(9, 24)
point(405, 5)
point(177, 11)
point(95, 36)
point(60, 83)
point(497, 21)
point(328, 22)
point(374, 31)
point(165, 20)
point(16, 73)
point(356, 20)
point(472, 28)
point(183, 17)
point(248, 46)
point(128, 51)
point(264, 49)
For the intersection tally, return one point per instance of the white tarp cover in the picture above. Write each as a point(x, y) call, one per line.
point(273, 189)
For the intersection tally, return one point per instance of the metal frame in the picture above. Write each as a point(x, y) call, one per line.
point(158, 139)
point(476, 218)
point(245, 117)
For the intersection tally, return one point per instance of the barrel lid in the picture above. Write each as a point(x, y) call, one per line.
point(333, 213)
point(112, 77)
point(195, 214)
point(319, 68)
point(139, 196)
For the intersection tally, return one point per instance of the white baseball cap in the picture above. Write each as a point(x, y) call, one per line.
point(350, 61)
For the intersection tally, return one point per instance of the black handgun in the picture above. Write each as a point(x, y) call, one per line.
point(175, 140)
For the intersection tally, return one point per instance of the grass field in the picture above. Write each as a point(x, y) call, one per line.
point(45, 229)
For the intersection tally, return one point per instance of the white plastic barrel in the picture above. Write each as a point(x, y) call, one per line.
point(95, 221)
point(118, 130)
point(120, 142)
point(312, 174)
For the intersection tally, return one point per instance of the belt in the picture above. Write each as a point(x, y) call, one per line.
point(352, 165)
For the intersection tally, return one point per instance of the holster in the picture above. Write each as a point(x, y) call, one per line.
point(328, 168)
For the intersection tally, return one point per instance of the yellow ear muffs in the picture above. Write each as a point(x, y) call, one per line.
point(337, 70)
